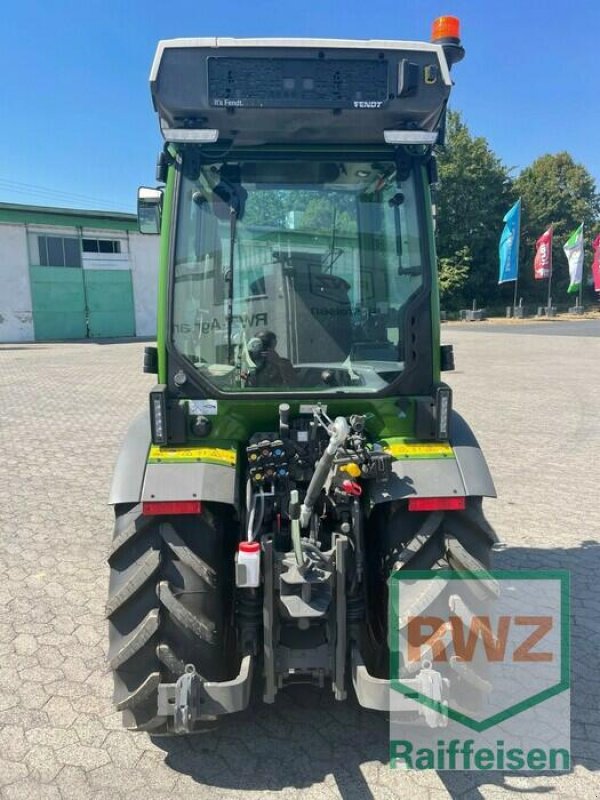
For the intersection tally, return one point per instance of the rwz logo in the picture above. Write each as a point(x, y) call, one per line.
point(433, 633)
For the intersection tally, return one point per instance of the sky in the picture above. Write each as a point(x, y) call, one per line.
point(77, 127)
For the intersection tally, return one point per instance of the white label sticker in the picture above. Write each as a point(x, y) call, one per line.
point(305, 408)
point(207, 407)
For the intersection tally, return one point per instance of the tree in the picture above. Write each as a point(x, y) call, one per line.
point(475, 192)
point(317, 212)
point(554, 189)
point(453, 274)
point(324, 211)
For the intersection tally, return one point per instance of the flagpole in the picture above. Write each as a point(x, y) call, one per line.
point(549, 305)
point(580, 301)
point(518, 243)
point(509, 249)
point(574, 251)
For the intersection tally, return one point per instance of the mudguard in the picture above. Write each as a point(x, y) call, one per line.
point(460, 472)
point(130, 468)
point(473, 467)
point(172, 475)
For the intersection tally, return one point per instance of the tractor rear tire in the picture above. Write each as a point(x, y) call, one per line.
point(452, 540)
point(168, 606)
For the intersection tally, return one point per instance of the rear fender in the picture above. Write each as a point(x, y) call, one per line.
point(466, 474)
point(190, 481)
point(471, 462)
point(128, 476)
point(136, 479)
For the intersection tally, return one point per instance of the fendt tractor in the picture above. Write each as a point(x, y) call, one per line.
point(300, 445)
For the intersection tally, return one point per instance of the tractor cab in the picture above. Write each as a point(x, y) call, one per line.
point(300, 254)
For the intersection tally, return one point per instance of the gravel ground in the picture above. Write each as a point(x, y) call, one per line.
point(64, 409)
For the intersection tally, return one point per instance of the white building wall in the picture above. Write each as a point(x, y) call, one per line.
point(143, 255)
point(16, 318)
point(139, 253)
point(116, 261)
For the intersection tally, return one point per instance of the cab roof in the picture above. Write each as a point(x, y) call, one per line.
point(300, 91)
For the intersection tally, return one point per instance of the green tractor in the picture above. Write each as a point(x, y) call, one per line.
point(300, 445)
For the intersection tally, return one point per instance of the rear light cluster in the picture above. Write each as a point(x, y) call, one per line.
point(161, 507)
point(158, 415)
point(436, 503)
point(443, 410)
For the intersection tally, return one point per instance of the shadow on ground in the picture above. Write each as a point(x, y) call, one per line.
point(307, 738)
point(4, 347)
point(67, 342)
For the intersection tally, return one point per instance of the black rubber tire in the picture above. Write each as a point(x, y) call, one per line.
point(169, 604)
point(456, 540)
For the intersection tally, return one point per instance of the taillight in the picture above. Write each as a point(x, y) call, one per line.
point(161, 507)
point(436, 503)
point(443, 409)
point(158, 415)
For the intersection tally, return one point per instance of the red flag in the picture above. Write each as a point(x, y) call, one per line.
point(596, 263)
point(542, 264)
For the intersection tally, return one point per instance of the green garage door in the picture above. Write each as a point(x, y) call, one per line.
point(58, 302)
point(109, 297)
point(72, 303)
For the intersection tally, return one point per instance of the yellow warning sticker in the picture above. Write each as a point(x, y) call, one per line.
point(403, 449)
point(189, 455)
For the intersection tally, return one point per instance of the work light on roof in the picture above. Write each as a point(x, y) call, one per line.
point(190, 135)
point(410, 137)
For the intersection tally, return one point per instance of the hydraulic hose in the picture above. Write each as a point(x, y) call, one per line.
point(254, 526)
point(295, 526)
point(251, 506)
point(338, 433)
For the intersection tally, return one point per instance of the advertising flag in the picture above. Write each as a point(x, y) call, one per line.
point(574, 253)
point(509, 245)
point(596, 263)
point(542, 264)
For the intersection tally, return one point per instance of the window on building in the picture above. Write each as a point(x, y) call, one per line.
point(59, 251)
point(101, 245)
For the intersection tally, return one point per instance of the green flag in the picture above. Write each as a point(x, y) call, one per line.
point(574, 253)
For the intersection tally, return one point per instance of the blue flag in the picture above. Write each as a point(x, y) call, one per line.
point(509, 245)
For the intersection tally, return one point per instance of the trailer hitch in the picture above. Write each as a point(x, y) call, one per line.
point(192, 698)
point(188, 699)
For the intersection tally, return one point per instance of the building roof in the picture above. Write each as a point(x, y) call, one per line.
point(67, 217)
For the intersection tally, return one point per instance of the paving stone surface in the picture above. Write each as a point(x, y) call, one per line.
point(64, 408)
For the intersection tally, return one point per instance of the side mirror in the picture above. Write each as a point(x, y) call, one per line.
point(149, 207)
